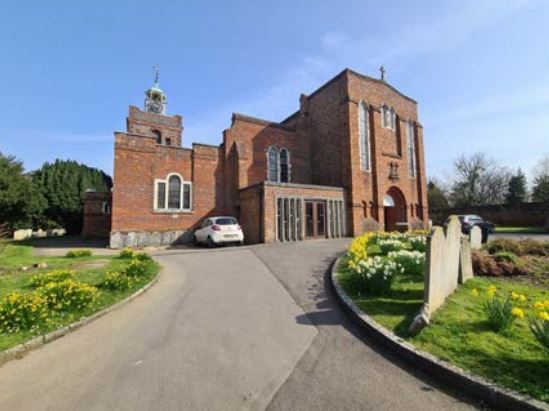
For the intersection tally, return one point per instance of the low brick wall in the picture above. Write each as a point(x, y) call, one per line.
point(524, 214)
point(97, 215)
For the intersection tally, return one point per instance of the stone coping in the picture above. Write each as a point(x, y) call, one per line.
point(22, 349)
point(474, 386)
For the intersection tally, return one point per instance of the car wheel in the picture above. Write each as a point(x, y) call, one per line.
point(211, 243)
point(241, 242)
point(195, 241)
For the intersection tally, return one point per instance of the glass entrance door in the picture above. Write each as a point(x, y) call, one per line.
point(315, 219)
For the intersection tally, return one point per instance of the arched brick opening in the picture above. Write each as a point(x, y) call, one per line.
point(395, 210)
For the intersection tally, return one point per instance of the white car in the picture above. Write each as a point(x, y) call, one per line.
point(219, 230)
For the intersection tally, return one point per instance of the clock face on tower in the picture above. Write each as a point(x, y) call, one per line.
point(155, 107)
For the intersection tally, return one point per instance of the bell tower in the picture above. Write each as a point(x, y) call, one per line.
point(155, 100)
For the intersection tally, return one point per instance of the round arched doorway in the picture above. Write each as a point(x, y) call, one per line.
point(394, 206)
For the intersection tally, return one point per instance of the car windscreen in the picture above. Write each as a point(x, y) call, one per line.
point(476, 219)
point(226, 221)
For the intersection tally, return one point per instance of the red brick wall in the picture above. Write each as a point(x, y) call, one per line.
point(97, 218)
point(388, 146)
point(251, 213)
point(139, 161)
point(322, 138)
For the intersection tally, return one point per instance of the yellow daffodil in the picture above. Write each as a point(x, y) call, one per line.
point(514, 295)
point(491, 291)
point(544, 315)
point(517, 312)
point(538, 305)
point(474, 291)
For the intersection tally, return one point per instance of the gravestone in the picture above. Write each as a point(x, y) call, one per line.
point(451, 255)
point(476, 238)
point(442, 270)
point(465, 261)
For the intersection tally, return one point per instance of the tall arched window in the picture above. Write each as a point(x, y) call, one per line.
point(272, 164)
point(411, 144)
point(278, 165)
point(388, 117)
point(284, 165)
point(364, 136)
point(174, 192)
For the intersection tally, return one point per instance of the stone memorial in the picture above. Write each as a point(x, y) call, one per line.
point(446, 254)
point(465, 260)
point(476, 238)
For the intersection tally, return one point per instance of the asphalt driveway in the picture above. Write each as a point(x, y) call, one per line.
point(228, 329)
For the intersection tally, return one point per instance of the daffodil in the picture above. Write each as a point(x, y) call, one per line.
point(544, 315)
point(517, 312)
point(474, 291)
point(538, 305)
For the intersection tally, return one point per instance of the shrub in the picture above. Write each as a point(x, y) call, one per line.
point(142, 257)
point(506, 256)
point(376, 274)
point(135, 268)
point(78, 253)
point(68, 295)
point(540, 329)
point(22, 312)
point(413, 262)
point(499, 314)
point(503, 244)
point(115, 280)
point(39, 280)
point(488, 265)
point(533, 247)
point(126, 253)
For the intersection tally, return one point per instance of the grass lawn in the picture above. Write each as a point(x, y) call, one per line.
point(460, 334)
point(89, 270)
point(520, 230)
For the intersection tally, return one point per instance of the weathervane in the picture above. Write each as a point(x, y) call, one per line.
point(155, 69)
point(382, 71)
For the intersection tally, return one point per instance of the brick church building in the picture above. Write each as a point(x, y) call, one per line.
point(349, 160)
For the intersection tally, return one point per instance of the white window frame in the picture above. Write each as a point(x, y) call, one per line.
point(364, 145)
point(166, 180)
point(411, 146)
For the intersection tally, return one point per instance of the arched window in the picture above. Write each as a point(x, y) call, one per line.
point(284, 166)
point(388, 117)
point(364, 136)
point(411, 144)
point(158, 136)
point(272, 164)
point(278, 165)
point(174, 192)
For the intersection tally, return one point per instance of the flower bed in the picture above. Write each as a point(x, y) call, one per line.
point(493, 327)
point(38, 301)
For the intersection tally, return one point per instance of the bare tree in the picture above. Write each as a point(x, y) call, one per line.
point(541, 169)
point(478, 180)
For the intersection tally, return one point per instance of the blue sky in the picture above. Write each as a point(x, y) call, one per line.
point(69, 69)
